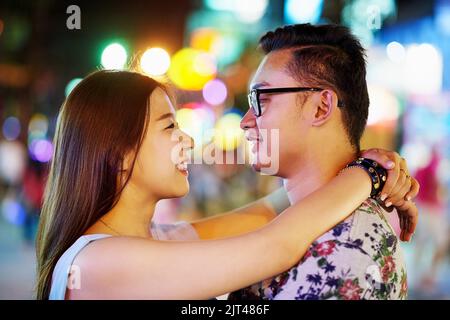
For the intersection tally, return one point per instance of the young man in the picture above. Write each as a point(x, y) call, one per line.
point(318, 103)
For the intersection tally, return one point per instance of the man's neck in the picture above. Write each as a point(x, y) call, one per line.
point(315, 174)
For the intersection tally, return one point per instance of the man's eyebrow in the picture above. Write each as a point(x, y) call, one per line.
point(259, 85)
point(164, 116)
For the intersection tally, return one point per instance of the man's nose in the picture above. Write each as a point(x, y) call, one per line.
point(248, 121)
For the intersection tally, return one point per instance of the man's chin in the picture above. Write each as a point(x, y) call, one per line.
point(256, 167)
point(255, 162)
point(265, 170)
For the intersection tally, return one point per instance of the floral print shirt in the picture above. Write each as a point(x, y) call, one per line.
point(360, 258)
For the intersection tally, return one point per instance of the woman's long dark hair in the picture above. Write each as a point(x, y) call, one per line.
point(104, 118)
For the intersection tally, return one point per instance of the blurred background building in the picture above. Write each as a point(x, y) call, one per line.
point(207, 50)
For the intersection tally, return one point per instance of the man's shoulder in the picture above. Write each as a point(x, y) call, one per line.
point(363, 240)
point(369, 213)
point(370, 220)
point(358, 259)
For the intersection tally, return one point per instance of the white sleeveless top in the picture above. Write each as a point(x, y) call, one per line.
point(63, 269)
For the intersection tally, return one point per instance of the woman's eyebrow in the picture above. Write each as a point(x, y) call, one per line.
point(164, 116)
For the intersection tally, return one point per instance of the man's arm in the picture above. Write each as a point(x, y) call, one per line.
point(242, 220)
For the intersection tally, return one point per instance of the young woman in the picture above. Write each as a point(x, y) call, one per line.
point(113, 161)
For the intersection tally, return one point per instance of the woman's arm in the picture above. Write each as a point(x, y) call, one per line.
point(242, 220)
point(258, 213)
point(135, 268)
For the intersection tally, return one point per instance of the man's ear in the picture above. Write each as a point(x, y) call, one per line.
point(328, 101)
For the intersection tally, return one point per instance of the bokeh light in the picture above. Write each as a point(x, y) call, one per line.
point(206, 39)
point(417, 153)
point(155, 61)
point(364, 17)
point(12, 161)
point(302, 11)
point(424, 69)
point(395, 51)
point(71, 85)
point(248, 11)
point(38, 125)
point(13, 211)
point(205, 64)
point(41, 150)
point(114, 56)
point(206, 116)
point(11, 128)
point(228, 134)
point(442, 19)
point(196, 119)
point(190, 123)
point(191, 69)
point(39, 147)
point(384, 106)
point(215, 92)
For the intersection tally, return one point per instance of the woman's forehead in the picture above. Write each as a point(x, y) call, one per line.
point(160, 104)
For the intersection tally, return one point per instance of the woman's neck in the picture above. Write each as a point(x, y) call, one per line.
point(131, 216)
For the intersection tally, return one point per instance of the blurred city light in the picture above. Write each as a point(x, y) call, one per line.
point(155, 62)
point(228, 134)
point(226, 47)
point(423, 69)
point(248, 11)
point(384, 106)
point(220, 34)
point(205, 64)
point(39, 147)
point(16, 31)
point(206, 116)
point(365, 17)
point(38, 125)
point(71, 85)
point(206, 39)
point(229, 49)
point(251, 11)
point(13, 211)
point(395, 51)
point(215, 92)
point(417, 153)
point(190, 122)
point(426, 123)
point(12, 161)
point(443, 16)
point(302, 11)
point(11, 128)
point(114, 56)
point(191, 69)
point(41, 150)
point(196, 119)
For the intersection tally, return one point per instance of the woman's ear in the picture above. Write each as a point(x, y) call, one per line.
point(326, 106)
point(124, 169)
point(127, 161)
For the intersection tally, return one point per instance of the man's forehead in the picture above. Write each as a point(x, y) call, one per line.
point(272, 70)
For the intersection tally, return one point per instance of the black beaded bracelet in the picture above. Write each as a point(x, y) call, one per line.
point(377, 174)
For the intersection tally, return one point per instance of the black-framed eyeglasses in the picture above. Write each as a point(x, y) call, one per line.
point(253, 96)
